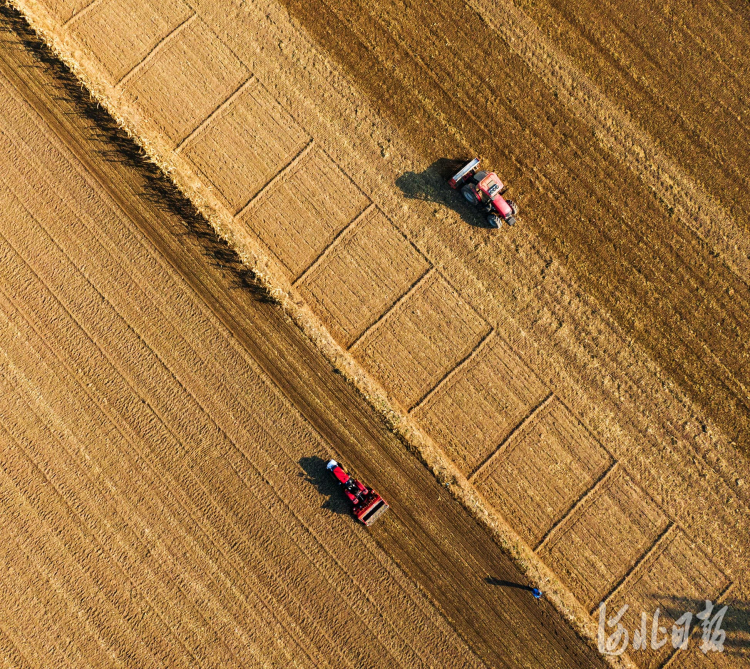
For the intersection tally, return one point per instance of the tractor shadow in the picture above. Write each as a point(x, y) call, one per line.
point(431, 185)
point(315, 472)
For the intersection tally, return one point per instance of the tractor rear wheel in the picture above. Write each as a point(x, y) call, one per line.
point(470, 194)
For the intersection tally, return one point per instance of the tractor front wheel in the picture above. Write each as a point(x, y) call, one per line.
point(470, 194)
point(513, 206)
point(494, 221)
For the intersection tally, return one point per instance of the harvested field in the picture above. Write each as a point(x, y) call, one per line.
point(421, 340)
point(303, 209)
point(544, 467)
point(621, 296)
point(163, 439)
point(183, 79)
point(473, 413)
point(360, 277)
point(251, 124)
point(692, 579)
point(121, 51)
point(604, 537)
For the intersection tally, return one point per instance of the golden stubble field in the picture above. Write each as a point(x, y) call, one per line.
point(164, 430)
point(582, 378)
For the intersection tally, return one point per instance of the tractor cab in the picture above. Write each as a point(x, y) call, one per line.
point(484, 189)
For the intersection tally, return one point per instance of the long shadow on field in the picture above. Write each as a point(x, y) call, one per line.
point(431, 185)
point(117, 146)
point(317, 474)
point(735, 623)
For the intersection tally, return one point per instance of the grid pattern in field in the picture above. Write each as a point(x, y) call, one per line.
point(603, 538)
point(245, 145)
point(192, 73)
point(676, 578)
point(543, 470)
point(420, 341)
point(301, 213)
point(121, 33)
point(366, 272)
point(476, 410)
point(65, 9)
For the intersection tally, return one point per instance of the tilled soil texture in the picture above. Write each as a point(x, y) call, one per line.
point(163, 439)
point(461, 79)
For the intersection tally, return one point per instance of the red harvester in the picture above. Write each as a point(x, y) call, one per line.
point(367, 505)
point(484, 189)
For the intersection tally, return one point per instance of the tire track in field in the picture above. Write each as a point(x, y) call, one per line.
point(621, 137)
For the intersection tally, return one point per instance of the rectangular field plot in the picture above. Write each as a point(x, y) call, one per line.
point(302, 211)
point(421, 340)
point(602, 539)
point(121, 33)
point(675, 578)
point(185, 79)
point(371, 266)
point(543, 470)
point(474, 412)
point(245, 145)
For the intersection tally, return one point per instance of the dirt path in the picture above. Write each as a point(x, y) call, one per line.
point(164, 431)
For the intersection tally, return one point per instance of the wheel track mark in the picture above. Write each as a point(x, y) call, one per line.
point(210, 415)
point(140, 454)
point(537, 411)
point(342, 235)
point(155, 51)
point(82, 12)
point(621, 137)
point(292, 164)
point(601, 482)
point(132, 388)
point(90, 538)
point(429, 275)
point(225, 104)
point(461, 364)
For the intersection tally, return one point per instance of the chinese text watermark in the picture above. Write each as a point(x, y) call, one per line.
point(655, 636)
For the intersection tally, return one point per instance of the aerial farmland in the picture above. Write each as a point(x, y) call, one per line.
point(230, 254)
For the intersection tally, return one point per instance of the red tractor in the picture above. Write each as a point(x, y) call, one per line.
point(367, 505)
point(485, 190)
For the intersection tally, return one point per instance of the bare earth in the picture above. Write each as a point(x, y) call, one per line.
point(163, 440)
point(581, 380)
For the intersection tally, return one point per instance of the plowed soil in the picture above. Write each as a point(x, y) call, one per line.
point(163, 434)
point(457, 80)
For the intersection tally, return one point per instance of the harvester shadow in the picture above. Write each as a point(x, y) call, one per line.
point(431, 185)
point(116, 146)
point(317, 474)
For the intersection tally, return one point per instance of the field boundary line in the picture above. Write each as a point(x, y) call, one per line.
point(538, 409)
point(461, 364)
point(82, 12)
point(428, 274)
point(301, 155)
point(335, 242)
point(605, 478)
point(155, 51)
point(657, 548)
point(694, 631)
point(225, 103)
